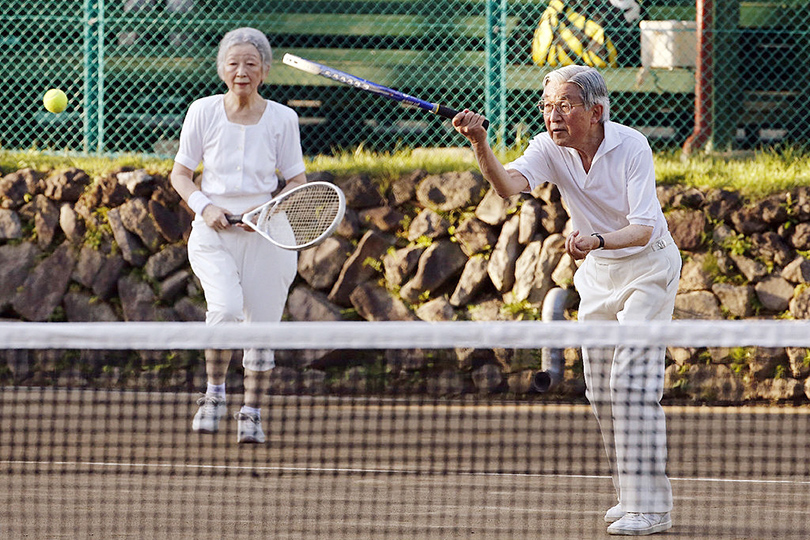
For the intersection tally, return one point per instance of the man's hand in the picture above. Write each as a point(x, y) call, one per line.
point(579, 246)
point(471, 125)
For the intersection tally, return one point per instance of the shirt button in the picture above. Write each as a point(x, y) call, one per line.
point(239, 168)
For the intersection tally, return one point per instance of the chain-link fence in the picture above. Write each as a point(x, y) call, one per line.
point(132, 67)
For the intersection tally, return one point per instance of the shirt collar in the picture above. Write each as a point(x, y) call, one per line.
point(611, 140)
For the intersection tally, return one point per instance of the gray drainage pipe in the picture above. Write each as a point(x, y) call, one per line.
point(553, 360)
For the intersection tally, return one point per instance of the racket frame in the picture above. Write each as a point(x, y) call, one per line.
point(259, 215)
point(362, 84)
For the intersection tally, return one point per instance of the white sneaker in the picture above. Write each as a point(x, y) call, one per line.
point(614, 514)
point(637, 524)
point(212, 409)
point(250, 428)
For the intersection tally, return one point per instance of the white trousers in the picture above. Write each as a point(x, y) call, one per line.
point(244, 277)
point(624, 384)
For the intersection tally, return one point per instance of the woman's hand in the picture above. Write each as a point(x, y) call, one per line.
point(215, 217)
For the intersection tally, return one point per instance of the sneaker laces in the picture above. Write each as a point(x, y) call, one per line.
point(208, 401)
point(254, 418)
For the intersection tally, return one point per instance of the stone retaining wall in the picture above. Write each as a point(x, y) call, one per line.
point(429, 247)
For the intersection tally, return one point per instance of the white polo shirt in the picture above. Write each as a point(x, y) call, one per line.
point(619, 189)
point(240, 163)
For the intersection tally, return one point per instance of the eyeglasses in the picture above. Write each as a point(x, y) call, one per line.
point(563, 107)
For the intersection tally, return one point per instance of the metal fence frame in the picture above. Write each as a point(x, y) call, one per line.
point(714, 106)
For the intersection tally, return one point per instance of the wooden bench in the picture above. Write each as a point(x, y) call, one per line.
point(395, 43)
point(659, 101)
point(646, 98)
point(392, 42)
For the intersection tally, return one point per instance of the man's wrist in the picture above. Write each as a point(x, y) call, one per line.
point(601, 240)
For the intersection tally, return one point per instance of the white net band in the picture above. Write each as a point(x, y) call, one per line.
point(408, 335)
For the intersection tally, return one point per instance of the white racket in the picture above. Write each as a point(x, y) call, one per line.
point(299, 218)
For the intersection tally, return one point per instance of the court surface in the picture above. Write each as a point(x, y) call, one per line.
point(102, 464)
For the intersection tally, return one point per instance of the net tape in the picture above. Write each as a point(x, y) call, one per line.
point(406, 335)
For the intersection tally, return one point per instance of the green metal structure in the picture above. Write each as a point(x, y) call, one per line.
point(132, 67)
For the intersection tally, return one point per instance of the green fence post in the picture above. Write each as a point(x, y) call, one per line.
point(495, 86)
point(93, 75)
point(726, 98)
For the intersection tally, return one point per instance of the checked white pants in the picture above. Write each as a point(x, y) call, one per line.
point(624, 384)
point(244, 277)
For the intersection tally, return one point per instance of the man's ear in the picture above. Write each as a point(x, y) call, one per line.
point(596, 113)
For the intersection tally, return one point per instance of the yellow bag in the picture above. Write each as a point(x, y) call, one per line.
point(565, 37)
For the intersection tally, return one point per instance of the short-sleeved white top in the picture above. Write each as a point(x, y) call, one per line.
point(240, 163)
point(617, 191)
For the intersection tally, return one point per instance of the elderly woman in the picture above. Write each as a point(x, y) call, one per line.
point(244, 143)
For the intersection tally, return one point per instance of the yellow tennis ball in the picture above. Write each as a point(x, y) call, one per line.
point(55, 100)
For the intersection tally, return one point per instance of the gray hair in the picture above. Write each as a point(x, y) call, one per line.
point(590, 81)
point(241, 36)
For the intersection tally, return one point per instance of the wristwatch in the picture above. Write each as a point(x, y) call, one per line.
point(601, 240)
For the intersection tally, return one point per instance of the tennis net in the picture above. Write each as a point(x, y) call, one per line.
point(394, 430)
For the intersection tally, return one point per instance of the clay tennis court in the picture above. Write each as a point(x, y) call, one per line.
point(105, 464)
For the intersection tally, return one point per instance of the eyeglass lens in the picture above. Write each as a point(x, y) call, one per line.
point(563, 107)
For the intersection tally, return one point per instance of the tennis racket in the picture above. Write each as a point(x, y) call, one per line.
point(299, 218)
point(368, 86)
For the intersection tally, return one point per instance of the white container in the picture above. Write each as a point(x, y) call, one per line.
point(668, 44)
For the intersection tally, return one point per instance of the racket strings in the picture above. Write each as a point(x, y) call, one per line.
point(303, 216)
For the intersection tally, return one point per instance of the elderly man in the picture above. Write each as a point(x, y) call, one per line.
point(629, 272)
